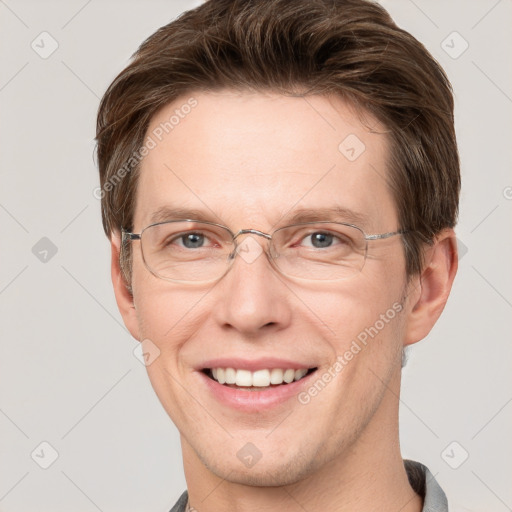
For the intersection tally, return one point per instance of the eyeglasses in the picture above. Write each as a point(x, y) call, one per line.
point(196, 251)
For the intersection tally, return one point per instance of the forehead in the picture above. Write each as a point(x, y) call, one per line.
point(253, 159)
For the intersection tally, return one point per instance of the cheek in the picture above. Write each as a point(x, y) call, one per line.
point(162, 308)
point(363, 322)
point(352, 308)
point(367, 354)
point(372, 344)
point(166, 316)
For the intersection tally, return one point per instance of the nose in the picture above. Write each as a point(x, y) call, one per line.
point(252, 297)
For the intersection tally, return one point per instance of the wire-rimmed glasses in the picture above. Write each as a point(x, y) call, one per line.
point(198, 251)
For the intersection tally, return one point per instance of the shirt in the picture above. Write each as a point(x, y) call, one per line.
point(420, 478)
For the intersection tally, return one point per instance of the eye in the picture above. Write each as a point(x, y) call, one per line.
point(189, 240)
point(321, 240)
point(181, 239)
point(192, 240)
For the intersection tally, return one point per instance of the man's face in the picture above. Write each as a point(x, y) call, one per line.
point(251, 161)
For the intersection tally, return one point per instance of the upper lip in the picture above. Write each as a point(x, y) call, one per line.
point(254, 364)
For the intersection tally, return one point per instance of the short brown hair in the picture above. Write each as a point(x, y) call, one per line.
point(351, 48)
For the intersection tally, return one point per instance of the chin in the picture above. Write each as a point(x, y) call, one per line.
point(264, 473)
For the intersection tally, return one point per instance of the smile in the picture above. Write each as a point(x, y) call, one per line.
point(256, 380)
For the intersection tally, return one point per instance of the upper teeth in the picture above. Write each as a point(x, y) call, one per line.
point(259, 378)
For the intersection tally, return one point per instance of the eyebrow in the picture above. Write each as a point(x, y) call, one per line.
point(335, 214)
point(166, 213)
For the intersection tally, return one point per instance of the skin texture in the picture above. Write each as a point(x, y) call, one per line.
point(249, 160)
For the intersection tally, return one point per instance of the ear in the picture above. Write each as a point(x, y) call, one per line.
point(430, 290)
point(122, 291)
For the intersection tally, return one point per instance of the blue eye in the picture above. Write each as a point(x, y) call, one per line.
point(192, 240)
point(320, 240)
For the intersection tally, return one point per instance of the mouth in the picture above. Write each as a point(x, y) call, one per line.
point(258, 380)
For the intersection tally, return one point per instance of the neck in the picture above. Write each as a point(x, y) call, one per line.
point(368, 473)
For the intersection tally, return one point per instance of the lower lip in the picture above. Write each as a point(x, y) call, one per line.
point(248, 401)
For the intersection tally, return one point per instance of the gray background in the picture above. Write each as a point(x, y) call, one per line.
point(68, 374)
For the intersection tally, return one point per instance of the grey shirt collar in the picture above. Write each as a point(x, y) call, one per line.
point(424, 484)
point(420, 478)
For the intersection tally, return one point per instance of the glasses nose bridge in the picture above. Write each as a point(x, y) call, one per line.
point(252, 232)
point(247, 232)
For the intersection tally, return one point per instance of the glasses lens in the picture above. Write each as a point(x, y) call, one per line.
point(186, 250)
point(198, 251)
point(320, 251)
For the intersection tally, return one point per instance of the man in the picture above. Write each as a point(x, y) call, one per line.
point(280, 184)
